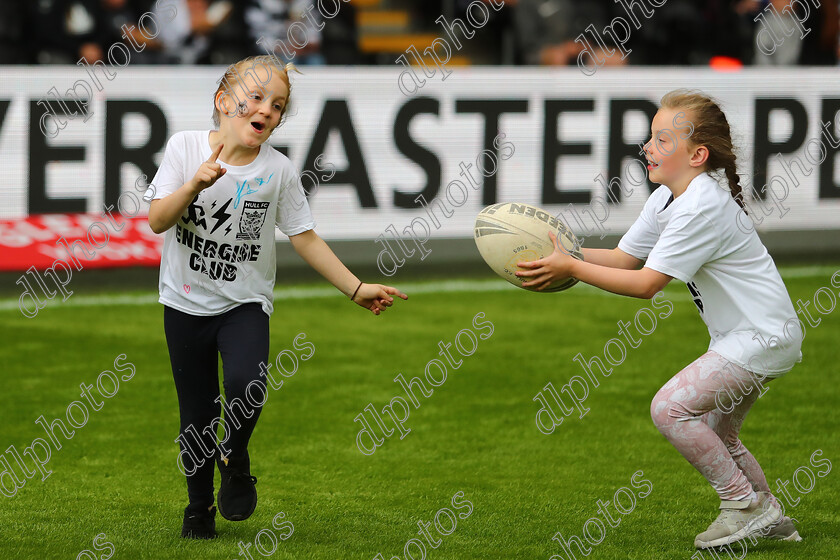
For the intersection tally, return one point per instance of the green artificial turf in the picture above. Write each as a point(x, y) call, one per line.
point(475, 433)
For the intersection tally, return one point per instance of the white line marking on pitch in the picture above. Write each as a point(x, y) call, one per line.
point(444, 286)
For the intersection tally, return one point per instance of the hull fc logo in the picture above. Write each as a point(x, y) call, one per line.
point(252, 219)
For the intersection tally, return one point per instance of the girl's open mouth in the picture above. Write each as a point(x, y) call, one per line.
point(258, 127)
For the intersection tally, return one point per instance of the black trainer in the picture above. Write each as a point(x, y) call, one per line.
point(237, 497)
point(199, 524)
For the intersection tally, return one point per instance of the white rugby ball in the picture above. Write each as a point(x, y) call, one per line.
point(510, 232)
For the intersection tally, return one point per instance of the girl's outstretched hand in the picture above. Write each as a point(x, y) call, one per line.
point(556, 266)
point(376, 297)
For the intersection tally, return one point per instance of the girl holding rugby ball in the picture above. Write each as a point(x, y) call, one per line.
point(688, 229)
point(218, 195)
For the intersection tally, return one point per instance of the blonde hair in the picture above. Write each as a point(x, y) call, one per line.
point(711, 129)
point(237, 70)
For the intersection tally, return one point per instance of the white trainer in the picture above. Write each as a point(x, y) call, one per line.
point(784, 531)
point(739, 519)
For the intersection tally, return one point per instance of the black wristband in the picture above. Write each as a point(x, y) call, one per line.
point(356, 292)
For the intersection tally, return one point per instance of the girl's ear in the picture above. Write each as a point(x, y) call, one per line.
point(222, 101)
point(699, 156)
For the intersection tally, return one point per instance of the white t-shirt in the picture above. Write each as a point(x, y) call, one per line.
point(730, 274)
point(221, 253)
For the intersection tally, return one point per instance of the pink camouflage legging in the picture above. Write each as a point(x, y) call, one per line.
point(700, 411)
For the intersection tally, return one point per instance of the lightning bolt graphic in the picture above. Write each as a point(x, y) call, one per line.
point(227, 229)
point(214, 204)
point(221, 215)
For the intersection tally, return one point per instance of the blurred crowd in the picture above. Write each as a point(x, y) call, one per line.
point(521, 32)
point(680, 32)
point(188, 31)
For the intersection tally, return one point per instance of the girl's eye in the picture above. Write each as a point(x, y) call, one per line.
point(278, 107)
point(255, 96)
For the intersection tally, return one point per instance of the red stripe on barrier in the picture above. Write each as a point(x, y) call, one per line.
point(95, 241)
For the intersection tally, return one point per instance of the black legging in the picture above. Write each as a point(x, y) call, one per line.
point(195, 342)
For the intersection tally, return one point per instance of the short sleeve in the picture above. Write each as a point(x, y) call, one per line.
point(643, 234)
point(293, 214)
point(170, 174)
point(687, 243)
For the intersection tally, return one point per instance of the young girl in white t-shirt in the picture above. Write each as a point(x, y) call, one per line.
point(218, 195)
point(689, 229)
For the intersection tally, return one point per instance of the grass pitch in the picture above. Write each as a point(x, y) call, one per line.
point(475, 434)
